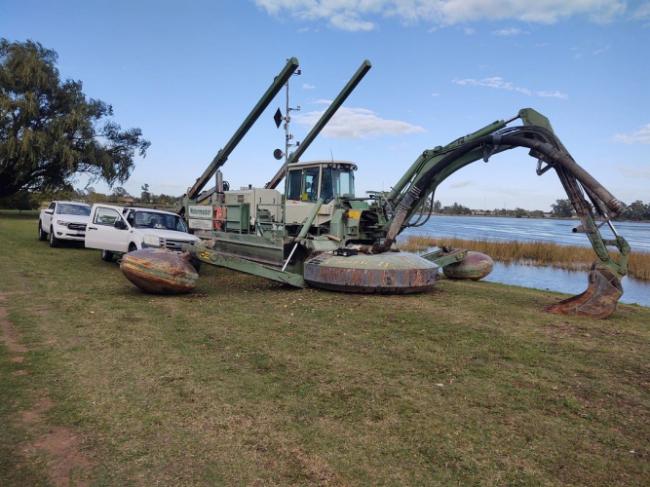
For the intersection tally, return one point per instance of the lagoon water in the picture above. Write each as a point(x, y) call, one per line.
point(546, 230)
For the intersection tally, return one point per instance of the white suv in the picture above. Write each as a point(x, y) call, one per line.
point(116, 230)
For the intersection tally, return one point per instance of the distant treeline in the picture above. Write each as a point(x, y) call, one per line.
point(25, 200)
point(636, 211)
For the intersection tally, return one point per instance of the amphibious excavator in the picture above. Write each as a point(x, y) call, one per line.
point(317, 232)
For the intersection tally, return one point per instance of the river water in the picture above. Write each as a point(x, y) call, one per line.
point(546, 230)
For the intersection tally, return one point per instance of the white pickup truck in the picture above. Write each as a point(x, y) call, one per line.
point(116, 230)
point(63, 220)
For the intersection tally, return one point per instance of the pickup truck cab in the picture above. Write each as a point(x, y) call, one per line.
point(63, 220)
point(116, 230)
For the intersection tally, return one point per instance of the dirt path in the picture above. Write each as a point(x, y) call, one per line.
point(61, 443)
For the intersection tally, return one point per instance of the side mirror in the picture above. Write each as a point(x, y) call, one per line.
point(49, 211)
point(120, 224)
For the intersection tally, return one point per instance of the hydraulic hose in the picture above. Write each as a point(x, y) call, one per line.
point(500, 139)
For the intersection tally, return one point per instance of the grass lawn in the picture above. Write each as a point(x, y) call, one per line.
point(247, 382)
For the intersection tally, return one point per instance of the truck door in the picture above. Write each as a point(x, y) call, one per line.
point(103, 234)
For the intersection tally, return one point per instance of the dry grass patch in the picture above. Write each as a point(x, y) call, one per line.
point(533, 253)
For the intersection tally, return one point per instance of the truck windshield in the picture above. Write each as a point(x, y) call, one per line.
point(68, 209)
point(150, 219)
point(337, 181)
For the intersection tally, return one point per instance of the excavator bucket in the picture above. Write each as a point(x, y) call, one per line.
point(598, 301)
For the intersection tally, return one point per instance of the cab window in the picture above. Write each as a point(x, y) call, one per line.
point(106, 216)
point(310, 192)
point(303, 185)
point(295, 185)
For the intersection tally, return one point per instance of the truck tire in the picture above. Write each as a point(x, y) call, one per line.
point(54, 242)
point(107, 256)
point(42, 236)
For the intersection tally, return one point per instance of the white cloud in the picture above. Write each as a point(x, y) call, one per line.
point(499, 83)
point(643, 12)
point(495, 82)
point(353, 15)
point(304, 29)
point(553, 94)
point(435, 95)
point(357, 123)
point(461, 184)
point(350, 21)
point(639, 137)
point(513, 31)
point(307, 86)
point(468, 31)
point(635, 173)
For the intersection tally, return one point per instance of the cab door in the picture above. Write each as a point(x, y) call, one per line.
point(302, 193)
point(102, 232)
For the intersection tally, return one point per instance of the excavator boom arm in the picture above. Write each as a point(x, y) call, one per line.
point(433, 167)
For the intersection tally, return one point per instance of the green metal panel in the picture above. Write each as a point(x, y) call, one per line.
point(238, 218)
point(236, 263)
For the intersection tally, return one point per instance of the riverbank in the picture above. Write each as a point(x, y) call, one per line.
point(532, 253)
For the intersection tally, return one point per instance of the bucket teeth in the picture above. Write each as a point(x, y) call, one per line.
point(598, 301)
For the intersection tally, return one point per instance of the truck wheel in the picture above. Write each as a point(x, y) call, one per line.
point(107, 256)
point(54, 242)
point(132, 247)
point(42, 236)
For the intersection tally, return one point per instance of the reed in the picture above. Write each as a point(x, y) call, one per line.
point(532, 253)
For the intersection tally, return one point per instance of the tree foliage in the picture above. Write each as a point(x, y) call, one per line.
point(50, 131)
point(637, 211)
point(562, 208)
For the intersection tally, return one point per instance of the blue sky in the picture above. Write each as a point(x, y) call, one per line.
point(188, 73)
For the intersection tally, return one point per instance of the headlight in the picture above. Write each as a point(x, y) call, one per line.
point(152, 240)
point(62, 223)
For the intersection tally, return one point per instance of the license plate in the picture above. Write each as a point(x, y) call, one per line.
point(80, 234)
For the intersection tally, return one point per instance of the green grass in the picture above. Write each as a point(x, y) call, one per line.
point(535, 253)
point(246, 382)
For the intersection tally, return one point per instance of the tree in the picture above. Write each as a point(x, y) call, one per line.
point(49, 131)
point(22, 200)
point(437, 206)
point(637, 211)
point(145, 196)
point(118, 193)
point(562, 209)
point(520, 213)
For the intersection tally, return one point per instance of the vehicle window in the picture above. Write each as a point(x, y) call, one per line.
point(106, 216)
point(326, 190)
point(161, 221)
point(343, 182)
point(311, 184)
point(52, 205)
point(68, 209)
point(295, 183)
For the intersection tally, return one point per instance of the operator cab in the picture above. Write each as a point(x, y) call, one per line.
point(309, 181)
